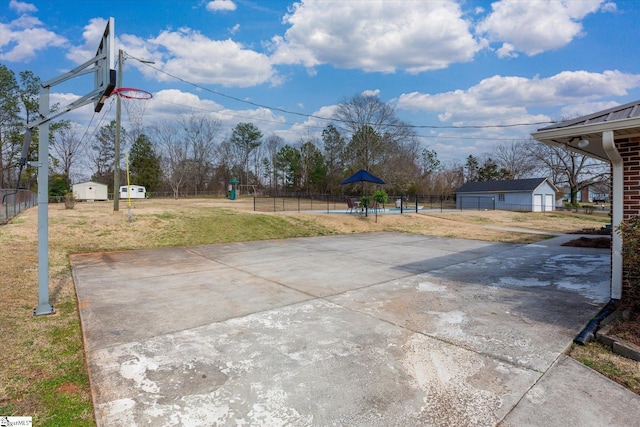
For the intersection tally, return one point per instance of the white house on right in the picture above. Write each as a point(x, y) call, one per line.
point(531, 195)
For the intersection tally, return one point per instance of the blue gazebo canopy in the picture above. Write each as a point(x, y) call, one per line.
point(362, 176)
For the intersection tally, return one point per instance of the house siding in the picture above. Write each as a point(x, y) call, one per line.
point(513, 200)
point(630, 152)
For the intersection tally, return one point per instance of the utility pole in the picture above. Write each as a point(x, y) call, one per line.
point(116, 163)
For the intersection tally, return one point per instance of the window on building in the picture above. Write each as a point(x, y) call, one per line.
point(501, 197)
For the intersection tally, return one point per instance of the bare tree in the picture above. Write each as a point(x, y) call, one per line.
point(333, 151)
point(515, 157)
point(66, 148)
point(174, 154)
point(449, 179)
point(373, 129)
point(569, 168)
point(273, 144)
point(200, 133)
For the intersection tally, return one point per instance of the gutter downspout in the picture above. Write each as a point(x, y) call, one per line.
point(617, 208)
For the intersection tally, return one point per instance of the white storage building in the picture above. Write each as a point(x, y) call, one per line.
point(90, 191)
point(534, 194)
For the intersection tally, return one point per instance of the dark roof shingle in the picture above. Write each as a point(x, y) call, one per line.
point(510, 185)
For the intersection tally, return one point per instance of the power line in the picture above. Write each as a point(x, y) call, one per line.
point(312, 116)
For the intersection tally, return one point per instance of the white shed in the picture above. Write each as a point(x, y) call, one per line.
point(533, 194)
point(90, 191)
point(134, 191)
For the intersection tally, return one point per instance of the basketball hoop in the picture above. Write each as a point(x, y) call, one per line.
point(135, 102)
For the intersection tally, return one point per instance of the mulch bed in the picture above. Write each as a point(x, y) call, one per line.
point(629, 329)
point(590, 242)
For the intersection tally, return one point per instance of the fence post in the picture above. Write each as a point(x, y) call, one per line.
point(254, 203)
point(416, 203)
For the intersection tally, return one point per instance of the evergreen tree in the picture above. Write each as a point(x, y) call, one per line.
point(245, 137)
point(289, 161)
point(144, 164)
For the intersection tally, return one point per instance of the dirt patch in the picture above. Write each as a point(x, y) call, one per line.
point(69, 388)
point(588, 242)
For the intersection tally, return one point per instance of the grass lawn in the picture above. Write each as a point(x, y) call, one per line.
point(42, 365)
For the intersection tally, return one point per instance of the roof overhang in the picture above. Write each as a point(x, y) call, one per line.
point(569, 136)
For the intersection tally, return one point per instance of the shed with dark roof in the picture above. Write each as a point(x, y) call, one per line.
point(533, 194)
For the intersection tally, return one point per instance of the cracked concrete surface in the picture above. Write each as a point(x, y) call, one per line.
point(380, 329)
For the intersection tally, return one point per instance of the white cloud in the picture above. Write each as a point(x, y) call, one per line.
point(191, 56)
point(167, 105)
point(23, 38)
point(584, 108)
point(370, 92)
point(507, 51)
point(92, 35)
point(22, 7)
point(221, 5)
point(535, 26)
point(376, 36)
point(301, 130)
point(507, 99)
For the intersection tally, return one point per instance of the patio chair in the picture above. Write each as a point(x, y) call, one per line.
point(351, 205)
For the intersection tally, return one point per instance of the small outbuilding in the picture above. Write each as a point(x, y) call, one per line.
point(531, 195)
point(90, 191)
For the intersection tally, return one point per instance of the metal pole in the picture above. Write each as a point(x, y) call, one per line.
point(43, 209)
point(116, 162)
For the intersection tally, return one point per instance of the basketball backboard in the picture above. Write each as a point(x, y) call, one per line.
point(105, 74)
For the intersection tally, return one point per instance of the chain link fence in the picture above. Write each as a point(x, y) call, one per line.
point(338, 203)
point(13, 202)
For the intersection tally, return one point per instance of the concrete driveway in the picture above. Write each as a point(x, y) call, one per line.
point(381, 329)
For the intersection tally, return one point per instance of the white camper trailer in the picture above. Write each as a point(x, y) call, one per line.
point(133, 191)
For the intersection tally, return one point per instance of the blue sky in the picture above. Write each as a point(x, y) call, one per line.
point(453, 69)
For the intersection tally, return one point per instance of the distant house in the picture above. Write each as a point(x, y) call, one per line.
point(588, 194)
point(90, 191)
point(534, 194)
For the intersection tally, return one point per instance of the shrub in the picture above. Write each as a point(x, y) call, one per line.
point(69, 201)
point(381, 197)
point(629, 230)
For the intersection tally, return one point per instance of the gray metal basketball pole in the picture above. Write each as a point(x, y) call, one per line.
point(100, 92)
point(43, 209)
point(43, 177)
point(116, 163)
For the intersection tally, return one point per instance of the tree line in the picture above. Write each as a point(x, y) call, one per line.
point(192, 155)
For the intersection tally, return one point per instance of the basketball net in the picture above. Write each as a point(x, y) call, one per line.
point(135, 102)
